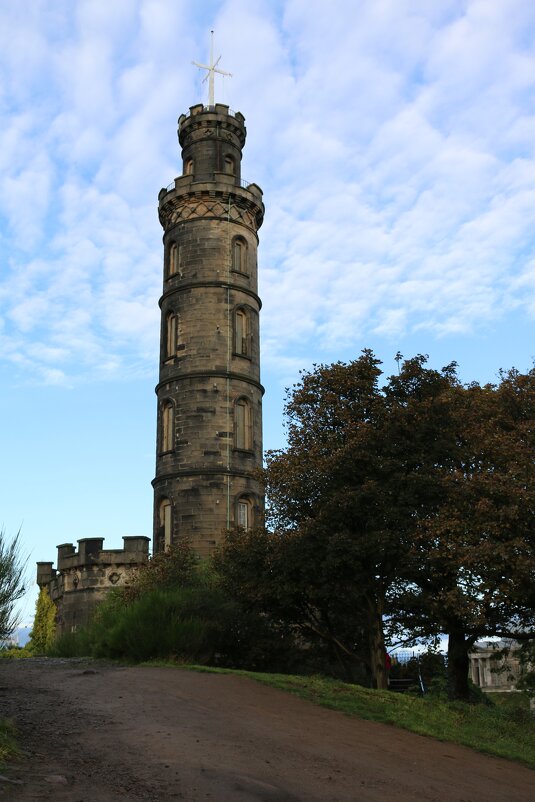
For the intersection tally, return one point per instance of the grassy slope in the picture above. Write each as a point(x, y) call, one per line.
point(504, 729)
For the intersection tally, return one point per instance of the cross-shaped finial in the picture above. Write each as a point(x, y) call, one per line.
point(212, 68)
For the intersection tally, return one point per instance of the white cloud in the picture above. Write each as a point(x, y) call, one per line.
point(394, 141)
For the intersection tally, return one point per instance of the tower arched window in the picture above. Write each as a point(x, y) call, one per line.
point(244, 512)
point(174, 259)
point(167, 426)
point(239, 255)
point(166, 524)
point(241, 332)
point(171, 338)
point(188, 167)
point(243, 425)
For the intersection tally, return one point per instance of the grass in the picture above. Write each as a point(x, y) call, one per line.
point(502, 729)
point(16, 652)
point(8, 744)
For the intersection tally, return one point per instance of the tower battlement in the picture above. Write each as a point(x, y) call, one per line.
point(218, 109)
point(83, 577)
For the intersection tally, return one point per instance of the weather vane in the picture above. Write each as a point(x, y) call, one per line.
point(212, 69)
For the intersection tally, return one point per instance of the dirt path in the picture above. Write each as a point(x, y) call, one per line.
point(94, 733)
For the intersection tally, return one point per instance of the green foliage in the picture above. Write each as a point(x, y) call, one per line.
point(410, 503)
point(43, 633)
point(178, 566)
point(16, 652)
point(472, 559)
point(11, 583)
point(72, 644)
point(269, 576)
point(526, 683)
point(177, 609)
point(181, 623)
point(343, 500)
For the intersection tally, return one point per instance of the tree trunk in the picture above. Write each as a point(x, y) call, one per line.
point(458, 664)
point(377, 646)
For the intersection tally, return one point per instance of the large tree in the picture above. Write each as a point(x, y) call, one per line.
point(473, 556)
point(408, 505)
point(347, 489)
point(300, 583)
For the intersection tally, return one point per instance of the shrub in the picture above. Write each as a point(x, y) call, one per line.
point(11, 583)
point(176, 567)
point(43, 632)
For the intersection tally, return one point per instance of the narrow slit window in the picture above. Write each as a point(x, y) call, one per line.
point(165, 523)
point(241, 345)
point(239, 255)
point(172, 335)
point(188, 167)
point(174, 259)
point(243, 425)
point(167, 426)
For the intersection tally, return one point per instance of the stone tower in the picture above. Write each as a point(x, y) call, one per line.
point(209, 429)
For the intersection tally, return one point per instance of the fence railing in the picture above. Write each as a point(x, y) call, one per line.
point(211, 177)
point(230, 112)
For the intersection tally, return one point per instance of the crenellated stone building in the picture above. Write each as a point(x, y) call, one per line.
point(209, 426)
point(209, 429)
point(83, 577)
point(495, 665)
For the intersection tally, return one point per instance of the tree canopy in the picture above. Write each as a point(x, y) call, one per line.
point(405, 506)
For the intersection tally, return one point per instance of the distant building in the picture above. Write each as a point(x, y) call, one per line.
point(493, 670)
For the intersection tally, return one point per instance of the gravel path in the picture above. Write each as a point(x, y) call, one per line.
point(94, 733)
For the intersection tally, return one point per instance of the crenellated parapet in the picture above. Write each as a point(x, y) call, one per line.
point(211, 129)
point(84, 576)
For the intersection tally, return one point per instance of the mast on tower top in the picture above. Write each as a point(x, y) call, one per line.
point(211, 70)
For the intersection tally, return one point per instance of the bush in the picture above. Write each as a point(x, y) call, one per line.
point(176, 567)
point(186, 624)
point(72, 644)
point(177, 608)
point(43, 632)
point(11, 583)
point(180, 623)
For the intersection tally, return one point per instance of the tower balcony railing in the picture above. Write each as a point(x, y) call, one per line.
point(213, 177)
point(230, 112)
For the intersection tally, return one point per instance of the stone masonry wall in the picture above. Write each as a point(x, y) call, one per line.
point(83, 577)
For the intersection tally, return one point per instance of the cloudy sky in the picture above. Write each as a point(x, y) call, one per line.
point(395, 144)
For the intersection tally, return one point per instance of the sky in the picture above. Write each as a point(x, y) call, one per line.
point(394, 141)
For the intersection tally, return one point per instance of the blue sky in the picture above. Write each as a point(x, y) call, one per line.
point(395, 144)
